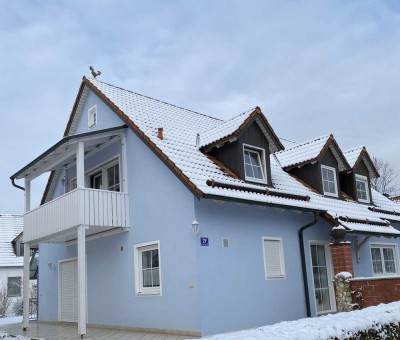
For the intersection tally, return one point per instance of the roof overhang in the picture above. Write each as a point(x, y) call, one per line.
point(64, 152)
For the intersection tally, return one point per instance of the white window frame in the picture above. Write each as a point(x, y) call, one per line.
point(261, 156)
point(281, 258)
point(20, 286)
point(139, 289)
point(328, 258)
point(363, 179)
point(92, 122)
point(335, 179)
point(396, 258)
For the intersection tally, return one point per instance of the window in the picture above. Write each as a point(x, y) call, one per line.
point(107, 177)
point(384, 259)
point(362, 188)
point(254, 164)
point(148, 269)
point(14, 286)
point(20, 248)
point(329, 180)
point(92, 116)
point(273, 258)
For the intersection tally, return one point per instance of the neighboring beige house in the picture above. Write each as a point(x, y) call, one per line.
point(11, 260)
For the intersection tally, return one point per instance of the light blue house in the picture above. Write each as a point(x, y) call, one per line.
point(160, 218)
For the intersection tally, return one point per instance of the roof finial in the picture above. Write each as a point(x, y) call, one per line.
point(94, 73)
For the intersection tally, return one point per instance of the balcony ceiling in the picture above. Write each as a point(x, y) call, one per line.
point(63, 152)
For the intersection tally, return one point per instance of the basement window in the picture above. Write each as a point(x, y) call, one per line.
point(254, 164)
point(362, 189)
point(329, 182)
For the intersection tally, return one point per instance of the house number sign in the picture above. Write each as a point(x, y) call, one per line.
point(204, 241)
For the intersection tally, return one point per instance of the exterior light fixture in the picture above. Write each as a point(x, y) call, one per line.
point(195, 227)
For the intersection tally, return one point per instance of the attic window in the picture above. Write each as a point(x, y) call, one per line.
point(254, 164)
point(362, 189)
point(329, 182)
point(92, 116)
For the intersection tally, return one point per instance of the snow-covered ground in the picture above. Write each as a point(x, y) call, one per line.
point(8, 321)
point(340, 325)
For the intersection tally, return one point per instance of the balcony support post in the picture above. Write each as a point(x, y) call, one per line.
point(80, 165)
point(82, 293)
point(27, 195)
point(25, 287)
point(124, 187)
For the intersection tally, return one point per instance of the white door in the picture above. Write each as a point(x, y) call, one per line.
point(68, 291)
point(322, 277)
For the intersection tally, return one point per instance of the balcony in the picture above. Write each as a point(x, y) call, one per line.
point(100, 210)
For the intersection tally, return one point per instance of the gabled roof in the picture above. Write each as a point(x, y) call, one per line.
point(208, 179)
point(311, 152)
point(233, 127)
point(356, 155)
point(10, 227)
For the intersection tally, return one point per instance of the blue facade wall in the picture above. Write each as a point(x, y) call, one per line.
point(234, 291)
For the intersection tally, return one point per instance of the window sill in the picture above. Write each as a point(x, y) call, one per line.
point(254, 180)
point(275, 277)
point(154, 293)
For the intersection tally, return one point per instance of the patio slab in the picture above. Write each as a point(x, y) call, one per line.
point(69, 332)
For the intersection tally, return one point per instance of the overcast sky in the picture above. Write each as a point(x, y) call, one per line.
point(314, 67)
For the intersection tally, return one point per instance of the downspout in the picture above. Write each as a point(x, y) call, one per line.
point(16, 185)
point(303, 262)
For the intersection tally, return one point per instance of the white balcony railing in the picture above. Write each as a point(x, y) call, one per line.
point(84, 206)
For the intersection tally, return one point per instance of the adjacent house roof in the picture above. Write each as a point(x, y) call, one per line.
point(311, 152)
point(356, 155)
point(181, 152)
point(395, 199)
point(10, 227)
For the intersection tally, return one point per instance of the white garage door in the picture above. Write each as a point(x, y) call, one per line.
point(68, 291)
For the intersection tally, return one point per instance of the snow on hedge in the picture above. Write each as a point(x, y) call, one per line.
point(5, 336)
point(339, 326)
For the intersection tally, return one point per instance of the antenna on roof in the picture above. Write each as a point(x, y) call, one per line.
point(198, 140)
point(94, 73)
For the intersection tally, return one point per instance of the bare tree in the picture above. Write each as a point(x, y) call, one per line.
point(387, 182)
point(5, 302)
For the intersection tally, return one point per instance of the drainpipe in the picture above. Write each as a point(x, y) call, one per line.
point(16, 185)
point(303, 262)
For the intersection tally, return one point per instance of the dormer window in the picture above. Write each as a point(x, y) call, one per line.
point(362, 189)
point(329, 182)
point(254, 164)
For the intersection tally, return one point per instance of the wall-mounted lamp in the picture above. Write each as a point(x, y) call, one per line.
point(195, 227)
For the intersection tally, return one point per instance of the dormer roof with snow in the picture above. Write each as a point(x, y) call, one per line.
point(356, 155)
point(311, 151)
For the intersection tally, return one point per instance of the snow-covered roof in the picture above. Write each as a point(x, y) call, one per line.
point(355, 155)
point(310, 152)
point(208, 179)
point(10, 227)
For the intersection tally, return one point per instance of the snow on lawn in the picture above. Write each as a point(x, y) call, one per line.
point(8, 321)
point(340, 325)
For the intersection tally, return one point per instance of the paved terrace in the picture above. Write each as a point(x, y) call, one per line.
point(70, 332)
